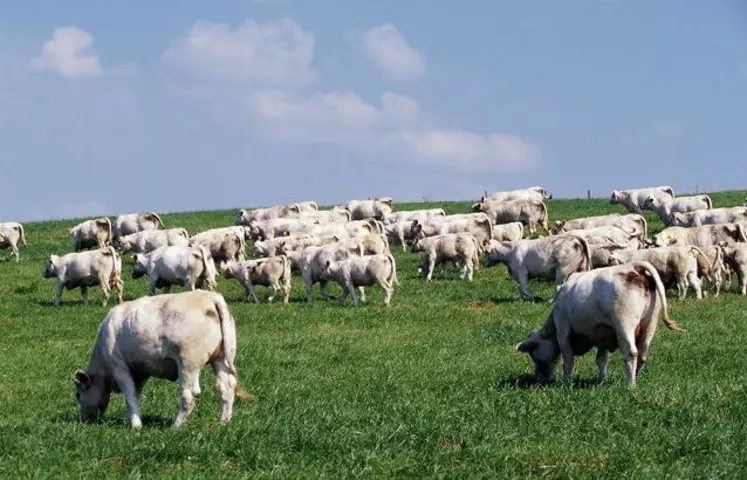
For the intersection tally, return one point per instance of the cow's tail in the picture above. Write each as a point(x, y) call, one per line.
point(157, 217)
point(208, 267)
point(641, 220)
point(669, 191)
point(488, 227)
point(741, 232)
point(115, 277)
point(661, 294)
point(184, 232)
point(696, 251)
point(385, 240)
point(108, 228)
point(585, 264)
point(286, 268)
point(228, 340)
point(392, 279)
point(22, 233)
point(708, 202)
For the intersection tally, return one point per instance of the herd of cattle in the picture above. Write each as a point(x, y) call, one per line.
point(610, 275)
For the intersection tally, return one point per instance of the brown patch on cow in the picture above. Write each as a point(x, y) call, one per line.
point(216, 352)
point(640, 331)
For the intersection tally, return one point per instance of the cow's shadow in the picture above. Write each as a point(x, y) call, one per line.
point(527, 381)
point(115, 419)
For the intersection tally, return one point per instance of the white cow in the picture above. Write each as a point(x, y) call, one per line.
point(459, 248)
point(148, 240)
point(86, 269)
point(735, 255)
point(550, 258)
point(362, 209)
point(225, 248)
point(607, 308)
point(11, 236)
point(508, 232)
point(535, 193)
point(273, 272)
point(167, 266)
point(209, 235)
point(665, 207)
point(246, 217)
point(617, 236)
point(400, 231)
point(634, 199)
point(629, 221)
point(336, 214)
point(359, 272)
point(170, 337)
point(480, 227)
point(313, 260)
point(96, 233)
point(529, 212)
point(710, 217)
point(410, 215)
point(135, 222)
point(704, 236)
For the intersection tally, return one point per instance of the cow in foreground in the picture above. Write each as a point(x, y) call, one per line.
point(633, 200)
point(608, 308)
point(359, 272)
point(96, 233)
point(135, 222)
point(86, 269)
point(273, 272)
point(167, 266)
point(170, 337)
point(11, 236)
point(550, 258)
point(460, 248)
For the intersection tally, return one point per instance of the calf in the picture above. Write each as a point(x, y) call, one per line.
point(712, 267)
point(460, 248)
point(170, 337)
point(508, 232)
point(86, 269)
point(665, 207)
point(225, 248)
point(380, 269)
point(135, 222)
point(710, 217)
point(273, 272)
point(246, 217)
point(12, 235)
point(400, 231)
point(148, 240)
point(634, 199)
point(167, 266)
point(735, 256)
point(608, 308)
point(312, 261)
point(551, 258)
point(529, 212)
point(479, 227)
point(95, 233)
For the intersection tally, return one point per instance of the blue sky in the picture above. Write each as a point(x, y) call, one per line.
point(112, 107)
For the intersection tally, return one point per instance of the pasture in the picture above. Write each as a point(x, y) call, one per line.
point(431, 387)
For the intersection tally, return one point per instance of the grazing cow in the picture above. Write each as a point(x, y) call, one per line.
point(608, 308)
point(410, 215)
point(665, 207)
point(167, 266)
point(603, 255)
point(400, 231)
point(135, 222)
point(550, 258)
point(616, 236)
point(634, 199)
point(148, 240)
point(11, 236)
point(359, 272)
point(712, 267)
point(95, 233)
point(312, 261)
point(86, 269)
point(170, 337)
point(363, 209)
point(209, 235)
point(480, 227)
point(704, 236)
point(535, 193)
point(628, 221)
point(225, 248)
point(710, 217)
point(735, 255)
point(375, 244)
point(273, 272)
point(508, 232)
point(269, 248)
point(246, 217)
point(460, 248)
point(528, 212)
point(278, 227)
point(675, 265)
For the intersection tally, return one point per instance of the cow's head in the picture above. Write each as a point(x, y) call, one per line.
point(92, 394)
point(477, 207)
point(544, 353)
point(678, 219)
point(123, 244)
point(138, 265)
point(232, 270)
point(650, 202)
point(242, 217)
point(558, 226)
point(51, 266)
point(614, 198)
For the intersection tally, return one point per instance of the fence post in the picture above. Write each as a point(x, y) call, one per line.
point(588, 194)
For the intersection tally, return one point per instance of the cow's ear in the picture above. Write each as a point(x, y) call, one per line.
point(81, 379)
point(527, 345)
point(672, 241)
point(327, 264)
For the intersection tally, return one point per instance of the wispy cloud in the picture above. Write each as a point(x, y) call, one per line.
point(390, 52)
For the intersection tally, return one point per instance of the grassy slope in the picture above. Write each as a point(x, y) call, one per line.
point(430, 387)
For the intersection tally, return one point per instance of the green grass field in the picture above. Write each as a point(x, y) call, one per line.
point(431, 387)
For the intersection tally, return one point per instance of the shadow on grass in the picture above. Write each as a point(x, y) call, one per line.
point(527, 381)
point(500, 301)
point(117, 420)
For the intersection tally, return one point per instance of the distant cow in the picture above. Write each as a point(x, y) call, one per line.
point(274, 272)
point(213, 233)
point(312, 261)
point(508, 232)
point(480, 228)
point(634, 200)
point(170, 337)
point(363, 209)
point(359, 272)
point(86, 269)
point(629, 221)
point(224, 248)
point(95, 233)
point(148, 240)
point(135, 222)
point(459, 248)
point(529, 212)
point(550, 258)
point(535, 193)
point(11, 236)
point(665, 207)
point(608, 308)
point(246, 217)
point(710, 217)
point(410, 215)
point(704, 236)
point(191, 267)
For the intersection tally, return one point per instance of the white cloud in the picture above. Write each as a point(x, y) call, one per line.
point(338, 118)
point(389, 50)
point(67, 53)
point(470, 151)
point(270, 55)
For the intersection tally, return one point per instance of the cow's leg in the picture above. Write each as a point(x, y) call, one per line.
point(189, 381)
point(58, 294)
point(388, 291)
point(567, 352)
point(226, 383)
point(119, 287)
point(286, 290)
point(716, 281)
point(694, 282)
point(84, 294)
point(742, 282)
point(629, 350)
point(253, 292)
point(274, 288)
point(522, 277)
point(105, 289)
point(362, 293)
point(14, 253)
point(351, 290)
point(343, 296)
point(152, 287)
point(127, 385)
point(166, 289)
point(431, 264)
point(681, 287)
point(643, 343)
point(324, 286)
point(470, 268)
point(603, 358)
